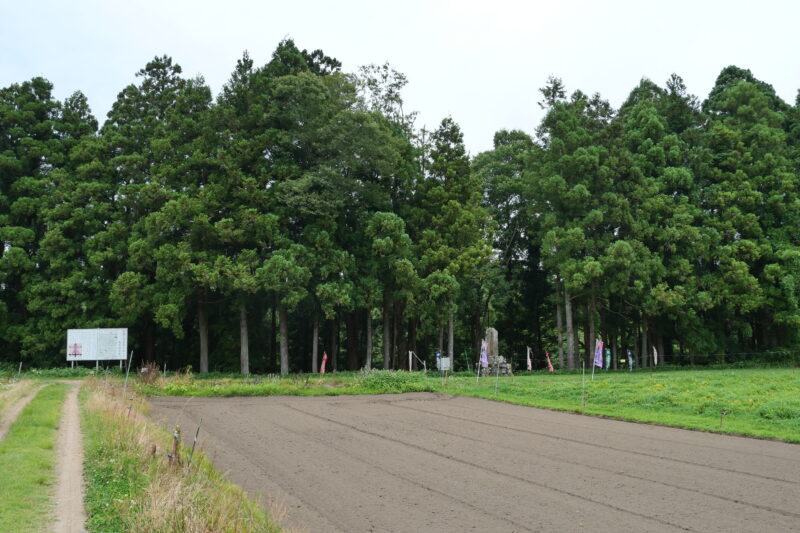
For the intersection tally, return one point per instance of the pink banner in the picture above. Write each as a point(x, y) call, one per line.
point(598, 353)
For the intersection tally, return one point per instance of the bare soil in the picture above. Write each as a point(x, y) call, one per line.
point(69, 489)
point(431, 462)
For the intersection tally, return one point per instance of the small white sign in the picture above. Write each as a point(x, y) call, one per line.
point(108, 344)
point(444, 363)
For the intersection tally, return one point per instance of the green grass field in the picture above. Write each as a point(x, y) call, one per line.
point(756, 402)
point(27, 460)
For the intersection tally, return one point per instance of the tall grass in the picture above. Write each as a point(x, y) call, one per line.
point(132, 487)
point(27, 461)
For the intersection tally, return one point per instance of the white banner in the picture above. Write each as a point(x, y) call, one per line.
point(109, 344)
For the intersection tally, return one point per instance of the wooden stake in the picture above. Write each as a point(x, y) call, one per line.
point(497, 379)
point(125, 387)
point(195, 441)
point(175, 456)
point(583, 384)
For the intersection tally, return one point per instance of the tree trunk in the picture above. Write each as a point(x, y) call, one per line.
point(477, 334)
point(334, 344)
point(352, 340)
point(395, 327)
point(401, 331)
point(537, 328)
point(244, 344)
point(588, 343)
point(450, 339)
point(368, 357)
point(387, 334)
point(590, 310)
point(614, 351)
point(315, 346)
point(150, 341)
point(644, 357)
point(441, 340)
point(283, 319)
point(662, 356)
point(273, 330)
point(202, 322)
point(559, 327)
point(570, 330)
point(412, 340)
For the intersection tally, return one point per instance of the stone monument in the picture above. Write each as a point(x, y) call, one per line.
point(496, 361)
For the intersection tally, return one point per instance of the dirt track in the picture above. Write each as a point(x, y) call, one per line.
point(425, 462)
point(70, 515)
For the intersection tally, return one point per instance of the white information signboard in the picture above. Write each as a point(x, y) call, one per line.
point(443, 363)
point(109, 344)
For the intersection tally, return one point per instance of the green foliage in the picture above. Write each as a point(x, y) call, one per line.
point(308, 193)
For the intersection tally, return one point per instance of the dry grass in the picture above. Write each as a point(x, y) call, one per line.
point(12, 391)
point(149, 373)
point(155, 496)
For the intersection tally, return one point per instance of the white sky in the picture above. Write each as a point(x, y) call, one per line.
point(480, 62)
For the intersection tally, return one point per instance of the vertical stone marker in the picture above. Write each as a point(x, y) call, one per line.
point(491, 339)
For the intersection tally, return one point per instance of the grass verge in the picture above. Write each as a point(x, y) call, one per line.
point(27, 461)
point(131, 487)
point(753, 402)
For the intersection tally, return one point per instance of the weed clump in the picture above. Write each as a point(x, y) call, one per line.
point(393, 382)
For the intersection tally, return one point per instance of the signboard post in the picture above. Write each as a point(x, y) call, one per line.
point(108, 344)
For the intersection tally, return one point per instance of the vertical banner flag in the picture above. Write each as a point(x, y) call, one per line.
point(484, 358)
point(324, 360)
point(530, 367)
point(655, 356)
point(549, 364)
point(598, 353)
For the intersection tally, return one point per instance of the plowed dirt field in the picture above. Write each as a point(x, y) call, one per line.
point(429, 462)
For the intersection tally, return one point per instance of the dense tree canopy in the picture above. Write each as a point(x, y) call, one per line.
point(302, 211)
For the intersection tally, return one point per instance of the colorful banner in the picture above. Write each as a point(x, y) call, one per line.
point(549, 364)
point(655, 356)
point(324, 360)
point(484, 357)
point(530, 367)
point(598, 353)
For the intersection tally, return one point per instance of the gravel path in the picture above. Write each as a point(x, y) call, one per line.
point(70, 514)
point(430, 462)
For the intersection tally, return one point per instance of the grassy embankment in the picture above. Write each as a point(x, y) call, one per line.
point(27, 461)
point(131, 486)
point(756, 402)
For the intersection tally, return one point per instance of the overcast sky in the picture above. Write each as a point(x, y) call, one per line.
point(480, 62)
